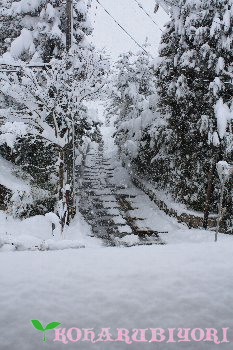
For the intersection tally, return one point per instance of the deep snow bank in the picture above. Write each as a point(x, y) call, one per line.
point(35, 233)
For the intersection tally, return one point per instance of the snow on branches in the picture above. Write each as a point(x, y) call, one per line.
point(131, 102)
point(45, 88)
point(42, 97)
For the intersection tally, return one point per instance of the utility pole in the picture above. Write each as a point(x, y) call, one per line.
point(65, 191)
point(70, 192)
point(69, 24)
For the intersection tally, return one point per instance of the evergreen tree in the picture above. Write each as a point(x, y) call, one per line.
point(41, 28)
point(9, 29)
point(195, 97)
point(131, 102)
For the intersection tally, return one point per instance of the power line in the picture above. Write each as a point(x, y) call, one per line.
point(142, 8)
point(171, 3)
point(119, 25)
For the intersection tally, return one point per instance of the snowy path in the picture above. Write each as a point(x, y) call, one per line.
point(186, 283)
point(118, 212)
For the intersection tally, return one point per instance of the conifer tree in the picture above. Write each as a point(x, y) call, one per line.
point(195, 97)
point(131, 101)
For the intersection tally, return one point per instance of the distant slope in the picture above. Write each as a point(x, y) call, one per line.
point(107, 34)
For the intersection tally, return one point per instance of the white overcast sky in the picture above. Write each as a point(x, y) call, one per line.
point(108, 35)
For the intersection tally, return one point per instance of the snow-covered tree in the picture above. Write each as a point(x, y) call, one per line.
point(50, 102)
point(41, 28)
point(9, 29)
point(45, 87)
point(167, 5)
point(194, 86)
point(132, 102)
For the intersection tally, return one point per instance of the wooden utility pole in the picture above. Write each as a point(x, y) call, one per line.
point(69, 24)
point(70, 193)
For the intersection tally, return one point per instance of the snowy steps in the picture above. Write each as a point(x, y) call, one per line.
point(108, 208)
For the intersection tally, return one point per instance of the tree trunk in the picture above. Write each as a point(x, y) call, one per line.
point(210, 189)
point(62, 213)
point(61, 173)
point(69, 194)
point(220, 208)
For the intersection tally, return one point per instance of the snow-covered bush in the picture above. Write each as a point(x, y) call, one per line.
point(25, 204)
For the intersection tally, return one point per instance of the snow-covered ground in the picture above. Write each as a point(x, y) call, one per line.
point(186, 283)
point(36, 233)
point(74, 279)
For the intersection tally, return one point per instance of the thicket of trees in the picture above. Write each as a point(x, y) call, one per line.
point(133, 102)
point(43, 93)
point(178, 142)
point(173, 115)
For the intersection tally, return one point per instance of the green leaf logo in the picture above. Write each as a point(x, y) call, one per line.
point(39, 326)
